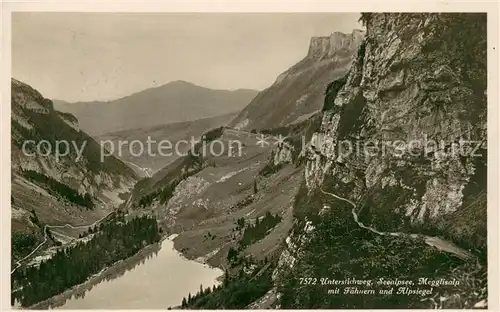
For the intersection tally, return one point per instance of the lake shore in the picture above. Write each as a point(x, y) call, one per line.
point(114, 271)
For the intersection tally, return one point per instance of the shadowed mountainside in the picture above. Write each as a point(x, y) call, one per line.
point(46, 189)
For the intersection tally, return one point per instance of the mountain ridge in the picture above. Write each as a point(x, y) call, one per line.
point(298, 91)
point(176, 101)
point(167, 84)
point(56, 185)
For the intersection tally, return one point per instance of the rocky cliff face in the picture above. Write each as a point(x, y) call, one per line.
point(298, 92)
point(404, 135)
point(417, 94)
point(336, 45)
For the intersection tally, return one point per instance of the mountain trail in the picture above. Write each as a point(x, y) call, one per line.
point(436, 242)
point(67, 225)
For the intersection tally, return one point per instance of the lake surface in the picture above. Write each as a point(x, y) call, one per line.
point(159, 282)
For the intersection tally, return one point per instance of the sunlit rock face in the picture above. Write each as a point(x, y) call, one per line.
point(417, 87)
point(416, 90)
point(299, 91)
point(282, 154)
point(335, 44)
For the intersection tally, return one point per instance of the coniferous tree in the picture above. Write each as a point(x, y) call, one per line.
point(73, 265)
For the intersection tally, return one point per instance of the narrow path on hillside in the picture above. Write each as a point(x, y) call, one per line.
point(143, 169)
point(67, 225)
point(435, 242)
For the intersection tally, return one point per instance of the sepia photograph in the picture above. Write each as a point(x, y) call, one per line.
point(248, 160)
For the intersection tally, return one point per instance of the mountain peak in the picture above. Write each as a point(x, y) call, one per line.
point(327, 46)
point(181, 83)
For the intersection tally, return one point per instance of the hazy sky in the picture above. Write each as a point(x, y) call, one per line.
point(104, 56)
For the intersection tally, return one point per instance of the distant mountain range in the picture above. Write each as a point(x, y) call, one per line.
point(176, 101)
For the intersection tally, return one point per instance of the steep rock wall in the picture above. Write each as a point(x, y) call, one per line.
point(298, 92)
point(404, 134)
point(417, 93)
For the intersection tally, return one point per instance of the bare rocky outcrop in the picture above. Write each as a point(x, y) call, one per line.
point(282, 154)
point(415, 83)
point(334, 45)
point(417, 92)
point(298, 92)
